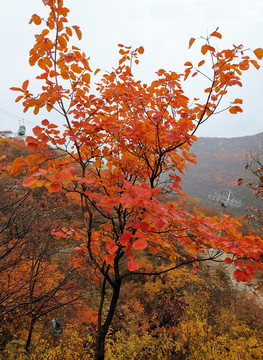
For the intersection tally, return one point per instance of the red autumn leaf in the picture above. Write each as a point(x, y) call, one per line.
point(37, 130)
point(45, 122)
point(125, 238)
point(133, 265)
point(32, 147)
point(40, 172)
point(110, 259)
point(228, 261)
point(240, 181)
point(29, 180)
point(111, 246)
point(140, 244)
point(239, 275)
point(127, 200)
point(54, 187)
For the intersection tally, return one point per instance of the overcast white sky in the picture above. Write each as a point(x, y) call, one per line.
point(162, 27)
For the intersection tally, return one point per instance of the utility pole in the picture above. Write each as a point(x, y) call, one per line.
point(225, 198)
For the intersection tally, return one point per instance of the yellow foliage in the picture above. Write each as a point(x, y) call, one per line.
point(143, 347)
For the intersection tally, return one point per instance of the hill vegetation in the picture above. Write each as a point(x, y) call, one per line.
point(220, 162)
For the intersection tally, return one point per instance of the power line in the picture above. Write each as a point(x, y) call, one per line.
point(13, 116)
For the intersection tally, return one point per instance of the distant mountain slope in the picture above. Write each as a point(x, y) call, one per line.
point(220, 162)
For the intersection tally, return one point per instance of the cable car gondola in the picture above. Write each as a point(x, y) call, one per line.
point(21, 130)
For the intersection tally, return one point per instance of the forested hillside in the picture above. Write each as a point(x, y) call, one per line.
point(220, 163)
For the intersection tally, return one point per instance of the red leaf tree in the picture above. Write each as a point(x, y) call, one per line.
point(113, 149)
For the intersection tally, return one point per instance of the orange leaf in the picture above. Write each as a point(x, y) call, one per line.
point(53, 73)
point(37, 130)
point(35, 19)
point(36, 110)
point(54, 187)
point(96, 71)
point(191, 41)
point(187, 72)
point(25, 85)
point(78, 32)
point(86, 78)
point(235, 109)
point(141, 50)
point(205, 48)
point(32, 147)
point(217, 34)
point(15, 89)
point(254, 62)
point(238, 101)
point(259, 53)
point(19, 98)
point(201, 63)
point(133, 265)
point(62, 41)
point(188, 63)
point(122, 60)
point(69, 31)
point(76, 68)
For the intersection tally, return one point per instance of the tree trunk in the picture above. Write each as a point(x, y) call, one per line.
point(29, 335)
point(103, 330)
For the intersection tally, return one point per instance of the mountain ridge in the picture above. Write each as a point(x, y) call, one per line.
point(220, 162)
